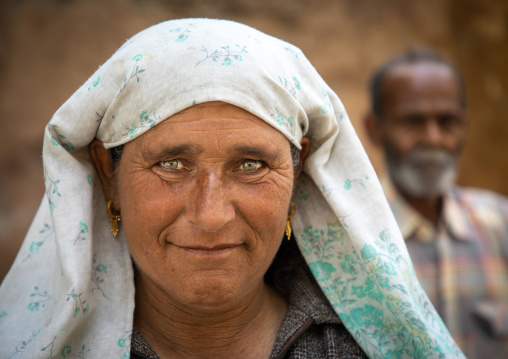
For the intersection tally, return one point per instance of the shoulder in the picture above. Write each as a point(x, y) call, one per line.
point(480, 198)
point(140, 349)
point(483, 216)
point(481, 204)
point(311, 328)
point(326, 341)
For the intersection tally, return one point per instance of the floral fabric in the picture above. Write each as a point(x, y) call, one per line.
point(462, 263)
point(70, 292)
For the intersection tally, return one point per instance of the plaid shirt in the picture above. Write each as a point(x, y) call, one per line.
point(462, 264)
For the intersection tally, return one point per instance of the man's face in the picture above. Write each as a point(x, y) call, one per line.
point(422, 128)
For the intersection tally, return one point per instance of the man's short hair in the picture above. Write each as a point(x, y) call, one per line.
point(411, 56)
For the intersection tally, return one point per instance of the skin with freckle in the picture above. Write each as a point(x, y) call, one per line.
point(204, 231)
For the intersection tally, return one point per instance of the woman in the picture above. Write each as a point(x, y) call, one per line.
point(204, 122)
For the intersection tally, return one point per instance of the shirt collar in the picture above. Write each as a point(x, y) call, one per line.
point(454, 218)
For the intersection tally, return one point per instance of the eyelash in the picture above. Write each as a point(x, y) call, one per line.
point(260, 165)
point(161, 164)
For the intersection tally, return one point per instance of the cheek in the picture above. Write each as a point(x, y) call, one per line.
point(147, 206)
point(456, 142)
point(399, 142)
point(153, 211)
point(265, 209)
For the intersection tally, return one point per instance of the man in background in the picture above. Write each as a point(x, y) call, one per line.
point(457, 237)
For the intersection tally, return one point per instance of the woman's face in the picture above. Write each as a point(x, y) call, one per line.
point(204, 199)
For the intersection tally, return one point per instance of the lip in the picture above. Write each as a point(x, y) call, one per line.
point(431, 166)
point(217, 250)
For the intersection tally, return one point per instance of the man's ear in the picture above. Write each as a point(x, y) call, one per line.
point(105, 169)
point(373, 127)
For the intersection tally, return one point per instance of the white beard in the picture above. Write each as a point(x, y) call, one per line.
point(424, 173)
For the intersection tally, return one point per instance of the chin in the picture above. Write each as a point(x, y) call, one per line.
point(211, 292)
point(425, 173)
point(421, 184)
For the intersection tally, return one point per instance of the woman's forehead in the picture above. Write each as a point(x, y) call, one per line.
point(214, 114)
point(209, 124)
point(215, 109)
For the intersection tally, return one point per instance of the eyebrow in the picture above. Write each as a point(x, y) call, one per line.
point(256, 152)
point(171, 152)
point(150, 154)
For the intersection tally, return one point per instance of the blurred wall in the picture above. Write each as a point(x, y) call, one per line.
point(48, 48)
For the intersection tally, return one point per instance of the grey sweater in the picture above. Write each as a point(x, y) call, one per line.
point(310, 329)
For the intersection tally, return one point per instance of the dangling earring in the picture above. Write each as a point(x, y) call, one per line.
point(289, 220)
point(113, 218)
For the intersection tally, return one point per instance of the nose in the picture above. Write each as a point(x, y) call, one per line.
point(210, 208)
point(432, 134)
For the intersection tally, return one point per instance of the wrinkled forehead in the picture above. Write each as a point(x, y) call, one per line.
point(214, 128)
point(216, 110)
point(423, 84)
point(176, 65)
point(211, 119)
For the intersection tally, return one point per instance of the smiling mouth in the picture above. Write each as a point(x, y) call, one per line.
point(209, 251)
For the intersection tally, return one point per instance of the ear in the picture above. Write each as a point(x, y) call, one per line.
point(105, 169)
point(305, 143)
point(374, 128)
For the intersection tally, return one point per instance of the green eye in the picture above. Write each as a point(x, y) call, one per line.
point(171, 164)
point(250, 165)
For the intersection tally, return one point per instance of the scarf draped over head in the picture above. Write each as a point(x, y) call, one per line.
point(70, 292)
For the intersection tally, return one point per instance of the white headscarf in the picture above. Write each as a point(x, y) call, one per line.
point(71, 289)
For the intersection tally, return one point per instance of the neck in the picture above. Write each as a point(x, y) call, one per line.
point(430, 208)
point(247, 329)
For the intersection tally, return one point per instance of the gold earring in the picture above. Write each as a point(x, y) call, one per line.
point(289, 220)
point(113, 218)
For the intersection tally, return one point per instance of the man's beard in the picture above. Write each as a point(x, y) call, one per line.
point(423, 173)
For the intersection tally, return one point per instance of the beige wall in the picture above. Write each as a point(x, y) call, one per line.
point(49, 48)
